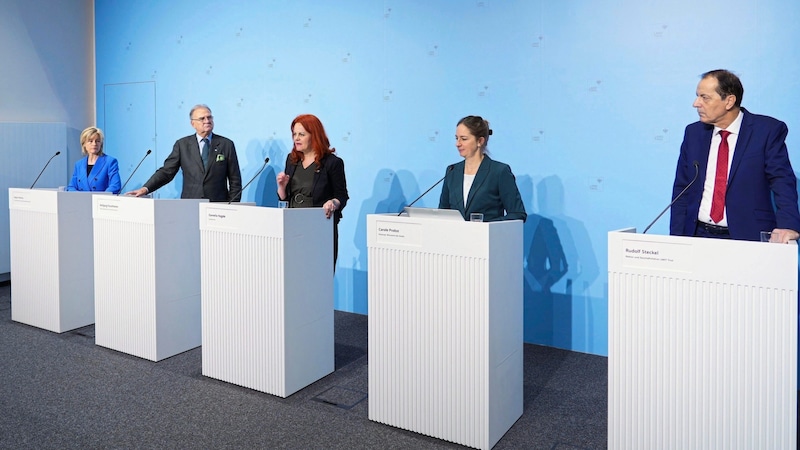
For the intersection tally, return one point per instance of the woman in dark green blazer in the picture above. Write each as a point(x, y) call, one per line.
point(488, 185)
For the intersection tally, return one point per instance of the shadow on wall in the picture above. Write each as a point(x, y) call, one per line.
point(545, 264)
point(559, 267)
point(559, 263)
point(387, 197)
point(266, 187)
point(73, 151)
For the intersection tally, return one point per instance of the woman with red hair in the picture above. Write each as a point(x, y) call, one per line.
point(314, 176)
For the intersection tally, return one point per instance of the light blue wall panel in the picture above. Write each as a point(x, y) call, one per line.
point(587, 100)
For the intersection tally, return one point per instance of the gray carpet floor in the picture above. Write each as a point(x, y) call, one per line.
point(62, 391)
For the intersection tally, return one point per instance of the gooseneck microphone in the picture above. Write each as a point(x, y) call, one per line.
point(266, 160)
point(449, 168)
point(122, 189)
point(696, 172)
point(45, 167)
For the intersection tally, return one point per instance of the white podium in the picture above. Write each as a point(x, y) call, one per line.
point(52, 264)
point(702, 343)
point(267, 296)
point(147, 275)
point(445, 327)
point(40, 141)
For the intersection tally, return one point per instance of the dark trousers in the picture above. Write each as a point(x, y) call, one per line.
point(711, 231)
point(335, 244)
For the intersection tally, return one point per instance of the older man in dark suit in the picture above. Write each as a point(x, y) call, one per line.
point(745, 183)
point(208, 161)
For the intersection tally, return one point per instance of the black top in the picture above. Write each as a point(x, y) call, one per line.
point(329, 182)
point(301, 185)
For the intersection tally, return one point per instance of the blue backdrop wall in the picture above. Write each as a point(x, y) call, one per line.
point(587, 100)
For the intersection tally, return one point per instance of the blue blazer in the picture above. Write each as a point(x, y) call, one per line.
point(493, 193)
point(760, 173)
point(103, 177)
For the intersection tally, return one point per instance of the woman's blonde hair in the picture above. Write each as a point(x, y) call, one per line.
point(88, 134)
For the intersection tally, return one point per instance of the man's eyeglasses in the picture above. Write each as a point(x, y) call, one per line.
point(203, 119)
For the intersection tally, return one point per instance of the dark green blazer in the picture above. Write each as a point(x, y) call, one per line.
point(493, 193)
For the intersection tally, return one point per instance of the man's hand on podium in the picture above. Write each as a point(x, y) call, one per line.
point(138, 192)
point(783, 236)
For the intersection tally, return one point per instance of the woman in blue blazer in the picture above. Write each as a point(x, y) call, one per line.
point(488, 186)
point(97, 171)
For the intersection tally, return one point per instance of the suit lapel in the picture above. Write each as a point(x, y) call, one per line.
point(704, 138)
point(457, 187)
point(745, 133)
point(480, 178)
point(98, 166)
point(290, 169)
point(213, 151)
point(194, 153)
point(83, 181)
point(317, 174)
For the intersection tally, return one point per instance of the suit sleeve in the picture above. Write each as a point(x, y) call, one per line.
point(73, 182)
point(510, 197)
point(683, 175)
point(339, 183)
point(114, 184)
point(782, 180)
point(444, 198)
point(168, 171)
point(234, 176)
point(286, 170)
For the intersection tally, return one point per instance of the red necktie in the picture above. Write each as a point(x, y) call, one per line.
point(720, 179)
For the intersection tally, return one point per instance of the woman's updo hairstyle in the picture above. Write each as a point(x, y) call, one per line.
point(479, 127)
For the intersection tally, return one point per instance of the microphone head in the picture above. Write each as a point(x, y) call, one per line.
point(695, 163)
point(266, 160)
point(148, 152)
point(57, 153)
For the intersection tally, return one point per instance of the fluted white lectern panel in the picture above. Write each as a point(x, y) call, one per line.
point(702, 343)
point(52, 264)
point(38, 142)
point(445, 327)
point(267, 296)
point(147, 275)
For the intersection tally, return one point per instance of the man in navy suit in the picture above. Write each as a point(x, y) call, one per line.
point(759, 191)
point(208, 161)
